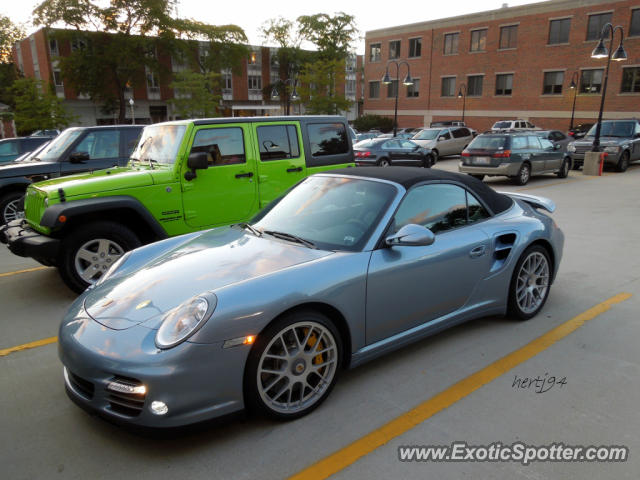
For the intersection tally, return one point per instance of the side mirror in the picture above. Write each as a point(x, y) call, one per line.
point(441, 139)
point(196, 161)
point(557, 146)
point(79, 157)
point(411, 235)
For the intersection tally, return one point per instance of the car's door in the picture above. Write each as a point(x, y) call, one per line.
point(391, 149)
point(282, 161)
point(413, 152)
point(225, 192)
point(102, 148)
point(461, 136)
point(411, 285)
point(538, 155)
point(9, 150)
point(552, 154)
point(445, 143)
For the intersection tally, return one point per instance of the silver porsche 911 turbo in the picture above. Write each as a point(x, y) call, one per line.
point(345, 267)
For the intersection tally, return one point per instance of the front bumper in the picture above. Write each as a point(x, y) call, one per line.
point(197, 382)
point(577, 159)
point(23, 241)
point(508, 169)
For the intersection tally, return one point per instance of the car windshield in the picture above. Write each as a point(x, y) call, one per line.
point(502, 125)
point(58, 145)
point(31, 156)
point(487, 143)
point(335, 213)
point(613, 129)
point(427, 134)
point(159, 143)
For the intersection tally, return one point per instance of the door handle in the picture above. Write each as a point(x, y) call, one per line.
point(241, 175)
point(477, 251)
point(295, 169)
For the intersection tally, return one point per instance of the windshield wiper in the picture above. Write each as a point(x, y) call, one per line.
point(291, 237)
point(248, 226)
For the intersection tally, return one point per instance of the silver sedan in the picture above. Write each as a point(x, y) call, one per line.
point(348, 266)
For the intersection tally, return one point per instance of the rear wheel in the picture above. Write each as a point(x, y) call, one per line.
point(530, 283)
point(524, 174)
point(89, 251)
point(384, 162)
point(564, 168)
point(11, 207)
point(623, 163)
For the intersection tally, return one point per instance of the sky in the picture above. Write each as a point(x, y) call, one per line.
point(251, 14)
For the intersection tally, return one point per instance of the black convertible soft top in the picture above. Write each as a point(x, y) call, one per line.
point(409, 176)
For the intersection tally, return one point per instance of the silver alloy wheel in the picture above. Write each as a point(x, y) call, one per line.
point(297, 367)
point(12, 211)
point(524, 174)
point(93, 259)
point(532, 282)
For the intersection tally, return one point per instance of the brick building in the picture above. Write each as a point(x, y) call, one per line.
point(242, 94)
point(515, 62)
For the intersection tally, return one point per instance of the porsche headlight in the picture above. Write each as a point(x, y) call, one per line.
point(116, 265)
point(183, 321)
point(571, 147)
point(613, 149)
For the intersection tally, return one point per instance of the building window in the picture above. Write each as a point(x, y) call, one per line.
point(374, 52)
point(478, 40)
point(415, 47)
point(53, 47)
point(78, 44)
point(596, 22)
point(509, 36)
point(630, 80)
point(255, 82)
point(414, 90)
point(591, 81)
point(552, 83)
point(451, 43)
point(474, 85)
point(350, 88)
point(394, 49)
point(254, 58)
point(226, 81)
point(153, 84)
point(634, 27)
point(57, 78)
point(448, 86)
point(504, 84)
point(374, 89)
point(559, 31)
point(392, 89)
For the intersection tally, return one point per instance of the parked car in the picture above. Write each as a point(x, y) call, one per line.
point(183, 177)
point(76, 150)
point(392, 151)
point(48, 132)
point(556, 137)
point(29, 155)
point(580, 130)
point(619, 139)
point(365, 136)
point(12, 148)
point(444, 141)
point(398, 135)
point(517, 155)
point(346, 267)
point(514, 125)
point(448, 123)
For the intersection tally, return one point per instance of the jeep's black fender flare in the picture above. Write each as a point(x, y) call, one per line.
point(76, 208)
point(14, 183)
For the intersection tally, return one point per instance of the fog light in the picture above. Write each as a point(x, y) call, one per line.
point(159, 408)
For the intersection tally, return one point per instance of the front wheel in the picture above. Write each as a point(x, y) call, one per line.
point(89, 251)
point(293, 365)
point(564, 168)
point(11, 207)
point(623, 163)
point(428, 162)
point(530, 283)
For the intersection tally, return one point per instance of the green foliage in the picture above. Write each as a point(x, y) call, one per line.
point(318, 87)
point(37, 108)
point(9, 34)
point(195, 94)
point(8, 75)
point(370, 122)
point(333, 36)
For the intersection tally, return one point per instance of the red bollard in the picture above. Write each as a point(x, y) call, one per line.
point(602, 157)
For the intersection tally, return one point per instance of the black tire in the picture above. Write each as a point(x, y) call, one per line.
point(8, 204)
point(115, 233)
point(524, 175)
point(564, 168)
point(384, 162)
point(623, 163)
point(427, 162)
point(575, 166)
point(478, 176)
point(514, 309)
point(436, 156)
point(252, 396)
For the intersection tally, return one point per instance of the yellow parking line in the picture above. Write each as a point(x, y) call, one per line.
point(408, 420)
point(26, 346)
point(34, 269)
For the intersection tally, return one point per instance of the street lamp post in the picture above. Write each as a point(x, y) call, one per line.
point(463, 95)
point(386, 80)
point(602, 52)
point(275, 95)
point(133, 115)
point(573, 86)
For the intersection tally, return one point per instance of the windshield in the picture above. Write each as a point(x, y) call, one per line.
point(427, 135)
point(58, 145)
point(335, 213)
point(613, 129)
point(31, 156)
point(159, 143)
point(502, 125)
point(487, 143)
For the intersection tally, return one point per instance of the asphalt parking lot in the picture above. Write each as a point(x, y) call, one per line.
point(445, 389)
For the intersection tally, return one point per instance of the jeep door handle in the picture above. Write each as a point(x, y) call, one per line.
point(245, 175)
point(295, 169)
point(477, 252)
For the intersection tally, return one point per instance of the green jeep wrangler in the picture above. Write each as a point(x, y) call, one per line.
point(182, 177)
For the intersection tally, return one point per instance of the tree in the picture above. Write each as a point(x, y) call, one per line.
point(10, 33)
point(36, 107)
point(317, 90)
point(195, 94)
point(365, 123)
point(333, 36)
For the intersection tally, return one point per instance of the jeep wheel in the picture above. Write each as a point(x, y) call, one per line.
point(11, 207)
point(623, 163)
point(89, 251)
